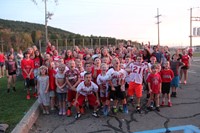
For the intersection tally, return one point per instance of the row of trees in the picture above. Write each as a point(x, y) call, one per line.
point(21, 35)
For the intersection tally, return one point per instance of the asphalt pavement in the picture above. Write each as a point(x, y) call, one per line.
point(185, 111)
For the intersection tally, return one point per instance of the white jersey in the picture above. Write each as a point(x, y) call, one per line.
point(137, 72)
point(115, 76)
point(82, 75)
point(102, 80)
point(86, 90)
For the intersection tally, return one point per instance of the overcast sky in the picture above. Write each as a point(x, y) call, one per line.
point(123, 19)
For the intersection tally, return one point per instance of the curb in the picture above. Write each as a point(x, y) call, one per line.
point(28, 120)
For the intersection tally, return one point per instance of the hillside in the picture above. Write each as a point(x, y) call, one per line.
point(21, 35)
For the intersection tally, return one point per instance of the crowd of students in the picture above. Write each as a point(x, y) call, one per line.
point(104, 78)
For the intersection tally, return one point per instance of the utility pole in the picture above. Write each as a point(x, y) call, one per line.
point(158, 23)
point(48, 15)
point(46, 31)
point(192, 19)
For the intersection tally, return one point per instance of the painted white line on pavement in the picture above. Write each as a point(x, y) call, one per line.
point(191, 71)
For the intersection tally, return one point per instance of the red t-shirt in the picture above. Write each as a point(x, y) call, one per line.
point(36, 62)
point(185, 59)
point(52, 82)
point(98, 72)
point(27, 65)
point(48, 50)
point(155, 82)
point(2, 58)
point(167, 75)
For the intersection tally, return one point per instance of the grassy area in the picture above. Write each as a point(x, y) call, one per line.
point(13, 105)
point(196, 54)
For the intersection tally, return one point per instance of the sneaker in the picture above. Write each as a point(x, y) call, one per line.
point(44, 112)
point(47, 112)
point(64, 112)
point(28, 97)
point(60, 112)
point(105, 110)
point(8, 90)
point(125, 109)
point(158, 109)
point(95, 114)
point(68, 112)
point(163, 103)
point(35, 95)
point(138, 109)
point(169, 104)
point(180, 82)
point(185, 82)
point(78, 115)
point(114, 111)
point(82, 110)
point(14, 89)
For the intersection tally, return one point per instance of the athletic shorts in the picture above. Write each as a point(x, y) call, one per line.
point(91, 100)
point(2, 64)
point(29, 82)
point(117, 93)
point(136, 89)
point(61, 97)
point(165, 88)
point(52, 93)
point(71, 95)
point(12, 73)
point(175, 81)
point(185, 67)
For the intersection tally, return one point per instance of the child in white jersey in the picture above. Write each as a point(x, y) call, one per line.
point(137, 70)
point(103, 87)
point(86, 89)
point(116, 80)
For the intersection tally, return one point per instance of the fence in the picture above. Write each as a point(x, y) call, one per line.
point(62, 44)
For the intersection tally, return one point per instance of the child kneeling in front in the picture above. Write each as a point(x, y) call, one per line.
point(86, 89)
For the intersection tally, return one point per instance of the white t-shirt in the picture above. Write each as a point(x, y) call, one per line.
point(84, 90)
point(137, 72)
point(82, 75)
point(115, 76)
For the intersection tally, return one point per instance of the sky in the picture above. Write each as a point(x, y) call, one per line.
point(123, 19)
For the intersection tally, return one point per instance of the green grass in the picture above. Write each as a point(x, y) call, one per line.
point(196, 54)
point(13, 105)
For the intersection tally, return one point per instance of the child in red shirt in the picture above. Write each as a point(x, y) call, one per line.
point(52, 84)
point(154, 83)
point(27, 66)
point(167, 75)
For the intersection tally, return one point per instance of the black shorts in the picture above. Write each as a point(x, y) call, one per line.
point(12, 73)
point(184, 67)
point(126, 85)
point(29, 82)
point(117, 94)
point(2, 64)
point(165, 88)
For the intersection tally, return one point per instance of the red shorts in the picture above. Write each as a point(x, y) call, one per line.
point(91, 99)
point(71, 95)
point(135, 88)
